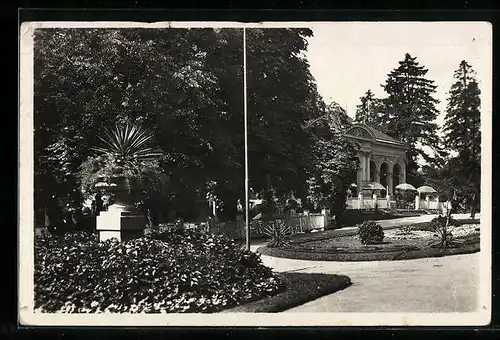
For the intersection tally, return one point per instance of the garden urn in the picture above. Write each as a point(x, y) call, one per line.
point(122, 220)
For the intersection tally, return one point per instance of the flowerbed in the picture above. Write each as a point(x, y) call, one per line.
point(163, 272)
point(408, 242)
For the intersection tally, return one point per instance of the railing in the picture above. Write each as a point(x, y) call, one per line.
point(303, 223)
point(299, 223)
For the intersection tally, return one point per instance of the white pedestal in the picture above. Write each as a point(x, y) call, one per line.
point(360, 201)
point(120, 222)
point(417, 202)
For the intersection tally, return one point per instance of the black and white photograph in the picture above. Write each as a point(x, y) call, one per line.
point(241, 174)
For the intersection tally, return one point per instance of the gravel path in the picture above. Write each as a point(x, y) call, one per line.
point(429, 285)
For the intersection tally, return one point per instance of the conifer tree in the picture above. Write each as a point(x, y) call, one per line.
point(410, 110)
point(368, 110)
point(461, 129)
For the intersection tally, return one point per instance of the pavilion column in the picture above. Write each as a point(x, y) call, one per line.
point(360, 172)
point(367, 173)
point(389, 183)
point(363, 169)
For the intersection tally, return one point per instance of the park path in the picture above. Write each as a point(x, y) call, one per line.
point(446, 284)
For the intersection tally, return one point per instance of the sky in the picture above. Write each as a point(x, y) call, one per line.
point(348, 58)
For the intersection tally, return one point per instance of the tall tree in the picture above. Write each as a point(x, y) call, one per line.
point(368, 110)
point(335, 161)
point(282, 96)
point(410, 111)
point(462, 127)
point(172, 80)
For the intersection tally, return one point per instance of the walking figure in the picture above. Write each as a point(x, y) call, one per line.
point(473, 208)
point(98, 203)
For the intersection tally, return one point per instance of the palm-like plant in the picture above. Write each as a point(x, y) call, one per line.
point(126, 153)
point(278, 233)
point(128, 144)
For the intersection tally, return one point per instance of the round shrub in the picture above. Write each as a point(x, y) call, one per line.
point(164, 272)
point(370, 232)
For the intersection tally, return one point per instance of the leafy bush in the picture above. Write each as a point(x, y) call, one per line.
point(174, 271)
point(278, 233)
point(370, 232)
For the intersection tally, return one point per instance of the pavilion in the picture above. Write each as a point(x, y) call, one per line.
point(382, 158)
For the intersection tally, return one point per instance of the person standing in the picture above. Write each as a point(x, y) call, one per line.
point(53, 215)
point(98, 203)
point(473, 207)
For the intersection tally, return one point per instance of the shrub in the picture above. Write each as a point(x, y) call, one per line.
point(173, 271)
point(370, 232)
point(442, 229)
point(278, 233)
point(440, 221)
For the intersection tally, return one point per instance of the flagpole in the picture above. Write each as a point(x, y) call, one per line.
point(247, 225)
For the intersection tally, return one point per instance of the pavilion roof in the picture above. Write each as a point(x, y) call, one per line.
point(377, 135)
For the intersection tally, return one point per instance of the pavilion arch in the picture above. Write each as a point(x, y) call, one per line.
point(384, 174)
point(396, 173)
point(373, 171)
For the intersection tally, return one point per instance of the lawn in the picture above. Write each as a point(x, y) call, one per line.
point(300, 288)
point(406, 242)
point(353, 217)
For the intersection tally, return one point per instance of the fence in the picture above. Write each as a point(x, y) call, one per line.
point(383, 203)
point(299, 223)
point(431, 205)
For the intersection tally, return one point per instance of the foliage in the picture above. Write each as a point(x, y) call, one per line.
point(404, 197)
point(183, 84)
point(368, 110)
point(410, 111)
point(462, 120)
point(278, 233)
point(126, 152)
point(370, 232)
point(282, 97)
point(335, 161)
point(442, 226)
point(175, 271)
point(462, 173)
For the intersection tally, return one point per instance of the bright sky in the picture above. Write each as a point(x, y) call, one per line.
point(349, 58)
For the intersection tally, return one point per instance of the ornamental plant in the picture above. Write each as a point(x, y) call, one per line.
point(370, 232)
point(278, 233)
point(442, 227)
point(126, 153)
point(165, 272)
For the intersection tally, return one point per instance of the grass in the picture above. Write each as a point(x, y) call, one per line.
point(300, 288)
point(407, 254)
point(353, 217)
point(346, 246)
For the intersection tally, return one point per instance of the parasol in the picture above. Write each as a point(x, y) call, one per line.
point(405, 186)
point(374, 186)
point(425, 189)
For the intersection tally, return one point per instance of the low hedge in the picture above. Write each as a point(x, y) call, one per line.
point(171, 271)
